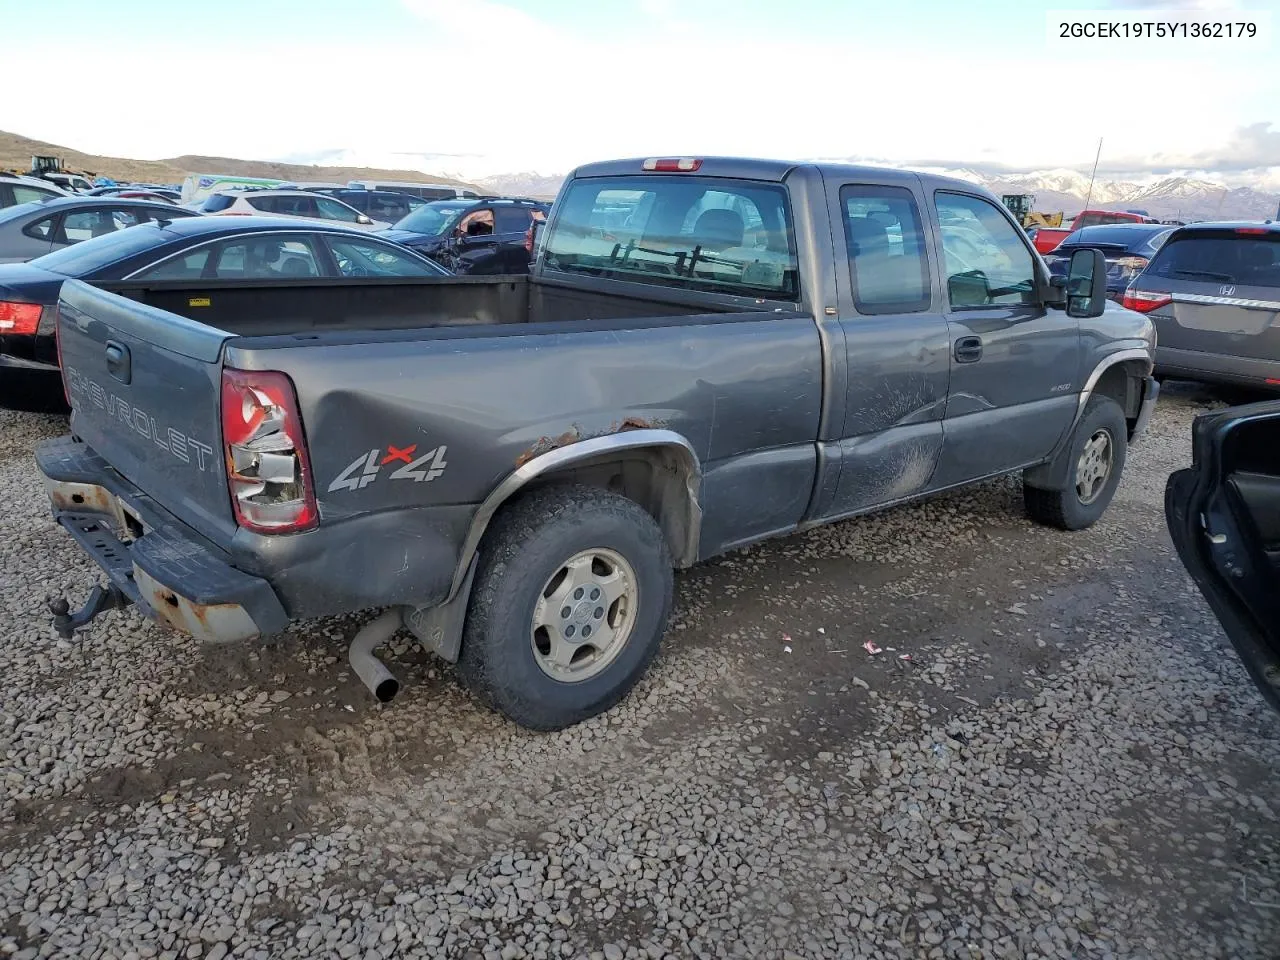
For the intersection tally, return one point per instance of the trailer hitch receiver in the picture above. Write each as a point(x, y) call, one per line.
point(101, 599)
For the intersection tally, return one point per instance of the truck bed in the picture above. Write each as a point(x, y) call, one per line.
point(273, 308)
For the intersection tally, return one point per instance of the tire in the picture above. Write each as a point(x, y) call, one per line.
point(1069, 508)
point(526, 555)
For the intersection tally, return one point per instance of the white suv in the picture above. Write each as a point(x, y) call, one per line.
point(287, 203)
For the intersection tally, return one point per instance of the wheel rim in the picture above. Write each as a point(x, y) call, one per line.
point(584, 615)
point(1093, 469)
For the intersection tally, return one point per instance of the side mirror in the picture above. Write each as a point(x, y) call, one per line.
point(1086, 285)
point(364, 220)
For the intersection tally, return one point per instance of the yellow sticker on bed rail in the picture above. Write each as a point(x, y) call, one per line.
point(198, 302)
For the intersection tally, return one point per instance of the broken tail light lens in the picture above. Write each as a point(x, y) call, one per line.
point(268, 472)
point(21, 318)
point(1144, 301)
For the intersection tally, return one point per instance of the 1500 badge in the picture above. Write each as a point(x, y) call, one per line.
point(367, 467)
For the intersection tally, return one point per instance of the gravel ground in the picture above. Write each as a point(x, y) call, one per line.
point(1070, 764)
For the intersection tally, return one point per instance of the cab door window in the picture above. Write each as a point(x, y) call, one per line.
point(985, 260)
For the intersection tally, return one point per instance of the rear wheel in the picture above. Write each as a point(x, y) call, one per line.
point(1096, 458)
point(569, 605)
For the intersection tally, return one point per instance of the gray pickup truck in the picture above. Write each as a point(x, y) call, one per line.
point(706, 353)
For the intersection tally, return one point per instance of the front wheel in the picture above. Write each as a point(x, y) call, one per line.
point(569, 605)
point(1096, 458)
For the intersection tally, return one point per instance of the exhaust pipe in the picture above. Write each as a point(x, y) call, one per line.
point(373, 673)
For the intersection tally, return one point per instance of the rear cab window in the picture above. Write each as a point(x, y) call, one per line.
point(1242, 257)
point(885, 240)
point(698, 233)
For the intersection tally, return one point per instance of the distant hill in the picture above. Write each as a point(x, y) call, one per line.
point(534, 185)
point(16, 152)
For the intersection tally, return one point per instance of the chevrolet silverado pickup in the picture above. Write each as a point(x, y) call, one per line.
point(705, 353)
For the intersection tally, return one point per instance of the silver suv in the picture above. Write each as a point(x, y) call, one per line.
point(1213, 291)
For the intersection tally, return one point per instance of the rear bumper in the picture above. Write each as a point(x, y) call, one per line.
point(172, 574)
point(37, 351)
point(1217, 367)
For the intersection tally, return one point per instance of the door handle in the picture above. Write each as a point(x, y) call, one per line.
point(968, 350)
point(118, 361)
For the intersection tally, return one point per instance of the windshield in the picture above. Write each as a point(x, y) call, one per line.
point(88, 256)
point(1220, 257)
point(723, 236)
point(433, 219)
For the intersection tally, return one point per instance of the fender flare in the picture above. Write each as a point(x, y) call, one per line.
point(581, 453)
point(1051, 474)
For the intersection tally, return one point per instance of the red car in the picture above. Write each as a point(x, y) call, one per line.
point(1098, 218)
point(1046, 239)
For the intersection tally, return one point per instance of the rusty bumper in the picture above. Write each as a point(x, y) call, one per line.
point(158, 563)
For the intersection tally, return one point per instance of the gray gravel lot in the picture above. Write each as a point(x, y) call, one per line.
point(1070, 764)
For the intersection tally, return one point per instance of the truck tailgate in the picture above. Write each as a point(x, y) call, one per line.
point(145, 394)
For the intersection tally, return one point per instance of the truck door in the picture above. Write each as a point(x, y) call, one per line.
point(896, 343)
point(1015, 366)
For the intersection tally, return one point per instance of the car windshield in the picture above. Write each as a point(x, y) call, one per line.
point(433, 219)
point(1248, 260)
point(701, 233)
point(88, 256)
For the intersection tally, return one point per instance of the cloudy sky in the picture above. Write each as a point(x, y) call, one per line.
point(494, 86)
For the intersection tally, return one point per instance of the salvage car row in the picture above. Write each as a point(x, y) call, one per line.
point(723, 351)
point(469, 234)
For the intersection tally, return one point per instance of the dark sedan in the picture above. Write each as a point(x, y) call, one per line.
point(1128, 248)
point(32, 230)
point(225, 250)
point(481, 236)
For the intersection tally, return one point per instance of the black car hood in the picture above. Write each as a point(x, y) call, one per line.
point(27, 283)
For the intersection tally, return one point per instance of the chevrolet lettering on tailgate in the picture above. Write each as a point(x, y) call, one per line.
point(175, 442)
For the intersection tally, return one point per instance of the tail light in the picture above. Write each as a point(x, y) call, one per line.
point(1144, 301)
point(673, 164)
point(19, 317)
point(268, 472)
point(528, 240)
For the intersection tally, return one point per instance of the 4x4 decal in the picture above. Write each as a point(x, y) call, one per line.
point(367, 467)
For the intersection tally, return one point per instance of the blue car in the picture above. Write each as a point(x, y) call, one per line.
point(1128, 248)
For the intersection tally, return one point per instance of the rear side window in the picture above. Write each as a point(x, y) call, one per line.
point(40, 230)
point(267, 257)
point(511, 219)
point(189, 266)
point(887, 263)
point(1225, 257)
point(216, 202)
point(699, 233)
point(24, 194)
point(88, 224)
